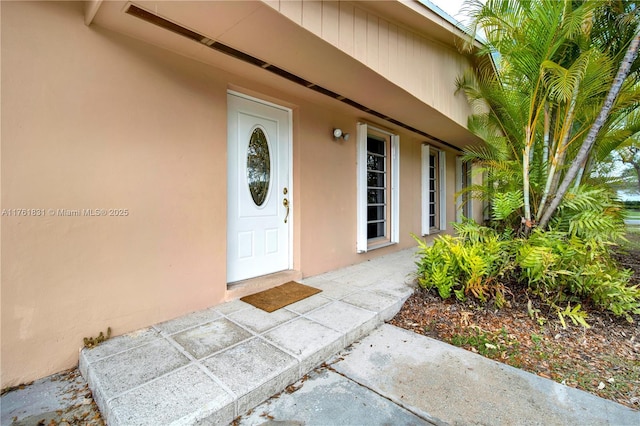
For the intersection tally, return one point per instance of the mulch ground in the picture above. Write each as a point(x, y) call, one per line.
point(603, 359)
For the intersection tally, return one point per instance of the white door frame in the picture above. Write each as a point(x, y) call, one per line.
point(289, 165)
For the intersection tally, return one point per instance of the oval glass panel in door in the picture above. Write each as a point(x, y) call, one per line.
point(258, 166)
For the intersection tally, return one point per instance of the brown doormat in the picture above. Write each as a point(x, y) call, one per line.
point(281, 296)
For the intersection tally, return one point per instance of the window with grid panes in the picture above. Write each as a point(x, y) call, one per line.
point(377, 193)
point(433, 190)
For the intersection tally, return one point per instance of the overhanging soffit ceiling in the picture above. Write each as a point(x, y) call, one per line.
point(251, 39)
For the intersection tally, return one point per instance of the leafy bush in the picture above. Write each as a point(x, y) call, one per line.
point(471, 263)
point(563, 268)
point(591, 212)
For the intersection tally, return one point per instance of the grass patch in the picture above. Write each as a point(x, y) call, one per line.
point(633, 238)
point(620, 383)
point(632, 214)
point(499, 345)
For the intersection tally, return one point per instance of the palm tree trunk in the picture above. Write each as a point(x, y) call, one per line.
point(553, 178)
point(576, 183)
point(589, 140)
point(525, 179)
point(545, 142)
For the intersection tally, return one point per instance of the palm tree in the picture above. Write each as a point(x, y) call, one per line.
point(590, 139)
point(551, 96)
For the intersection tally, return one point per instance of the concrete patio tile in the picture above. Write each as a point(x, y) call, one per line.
point(327, 276)
point(393, 288)
point(397, 261)
point(384, 304)
point(350, 320)
point(357, 268)
point(134, 367)
point(360, 279)
point(312, 281)
point(259, 320)
point(335, 290)
point(308, 304)
point(119, 344)
point(191, 320)
point(230, 307)
point(210, 338)
point(401, 276)
point(182, 397)
point(254, 370)
point(310, 342)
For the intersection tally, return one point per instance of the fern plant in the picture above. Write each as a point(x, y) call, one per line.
point(506, 204)
point(467, 265)
point(591, 212)
point(562, 267)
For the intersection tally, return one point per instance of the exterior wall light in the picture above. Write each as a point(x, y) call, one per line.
point(337, 134)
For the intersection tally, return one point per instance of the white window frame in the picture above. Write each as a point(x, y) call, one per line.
point(463, 181)
point(362, 242)
point(427, 150)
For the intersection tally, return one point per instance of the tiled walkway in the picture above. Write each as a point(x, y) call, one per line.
point(211, 366)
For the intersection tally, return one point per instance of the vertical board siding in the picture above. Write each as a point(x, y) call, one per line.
point(312, 16)
point(292, 9)
point(402, 57)
point(331, 22)
point(383, 46)
point(360, 35)
point(346, 28)
point(423, 67)
point(393, 53)
point(413, 61)
point(372, 41)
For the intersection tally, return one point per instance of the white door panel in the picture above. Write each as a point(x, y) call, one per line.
point(258, 221)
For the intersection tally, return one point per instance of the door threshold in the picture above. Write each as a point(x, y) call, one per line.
point(238, 289)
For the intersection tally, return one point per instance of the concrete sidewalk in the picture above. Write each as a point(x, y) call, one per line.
point(394, 376)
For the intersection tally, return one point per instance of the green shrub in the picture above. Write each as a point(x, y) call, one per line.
point(471, 263)
point(590, 213)
point(564, 268)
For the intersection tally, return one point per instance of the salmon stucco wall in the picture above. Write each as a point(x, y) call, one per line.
point(113, 174)
point(98, 121)
point(327, 202)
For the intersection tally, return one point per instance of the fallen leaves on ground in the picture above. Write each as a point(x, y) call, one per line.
point(80, 408)
point(603, 359)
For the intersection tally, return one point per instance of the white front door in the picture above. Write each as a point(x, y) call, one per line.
point(259, 194)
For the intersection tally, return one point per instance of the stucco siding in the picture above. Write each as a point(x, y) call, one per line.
point(93, 120)
point(97, 121)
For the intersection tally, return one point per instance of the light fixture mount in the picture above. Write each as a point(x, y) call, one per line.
point(337, 134)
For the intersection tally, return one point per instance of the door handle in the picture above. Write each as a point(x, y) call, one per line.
point(285, 203)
